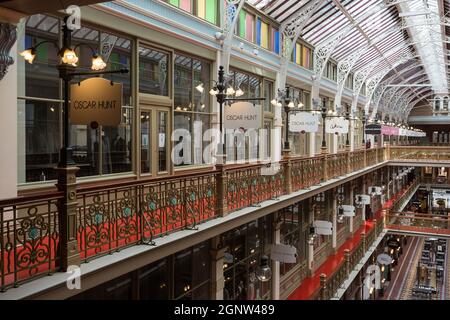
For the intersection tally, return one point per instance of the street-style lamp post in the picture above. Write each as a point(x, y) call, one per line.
point(364, 120)
point(288, 107)
point(66, 169)
point(283, 99)
point(222, 92)
point(324, 117)
point(66, 70)
point(347, 117)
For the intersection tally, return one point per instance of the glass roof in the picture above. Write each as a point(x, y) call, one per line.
point(386, 31)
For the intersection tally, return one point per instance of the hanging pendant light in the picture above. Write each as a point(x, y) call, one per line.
point(263, 271)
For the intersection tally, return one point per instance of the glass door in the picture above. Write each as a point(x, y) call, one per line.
point(146, 142)
point(155, 141)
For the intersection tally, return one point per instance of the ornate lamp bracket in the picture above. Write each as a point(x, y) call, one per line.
point(8, 36)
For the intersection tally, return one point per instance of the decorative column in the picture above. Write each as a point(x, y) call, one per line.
point(364, 191)
point(8, 111)
point(352, 199)
point(287, 170)
point(310, 253)
point(323, 287)
point(347, 261)
point(388, 183)
point(334, 216)
point(310, 257)
point(276, 264)
point(221, 183)
point(363, 241)
point(218, 281)
point(67, 209)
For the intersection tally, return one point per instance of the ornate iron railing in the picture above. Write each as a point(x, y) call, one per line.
point(112, 217)
point(306, 172)
point(357, 160)
point(119, 216)
point(371, 155)
point(331, 283)
point(29, 238)
point(251, 185)
point(419, 153)
point(337, 165)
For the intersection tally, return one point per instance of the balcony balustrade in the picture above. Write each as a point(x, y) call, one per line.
point(419, 153)
point(109, 218)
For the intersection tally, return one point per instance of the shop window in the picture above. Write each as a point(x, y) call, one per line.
point(246, 25)
point(184, 275)
point(192, 106)
point(292, 233)
point(269, 95)
point(243, 145)
point(154, 281)
point(192, 273)
point(104, 150)
point(306, 57)
point(153, 71)
point(275, 40)
point(320, 209)
point(205, 9)
point(262, 34)
point(244, 247)
point(120, 288)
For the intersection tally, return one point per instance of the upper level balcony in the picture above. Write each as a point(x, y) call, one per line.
point(37, 240)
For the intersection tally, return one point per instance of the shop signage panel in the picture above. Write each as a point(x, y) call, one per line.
point(96, 100)
point(336, 125)
point(323, 227)
point(362, 199)
point(389, 131)
point(373, 129)
point(242, 115)
point(349, 211)
point(283, 253)
point(374, 190)
point(303, 122)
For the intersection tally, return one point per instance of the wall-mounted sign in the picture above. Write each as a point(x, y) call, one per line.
point(348, 210)
point(336, 125)
point(362, 199)
point(283, 253)
point(303, 122)
point(242, 115)
point(96, 100)
point(323, 227)
point(373, 128)
point(374, 191)
point(389, 131)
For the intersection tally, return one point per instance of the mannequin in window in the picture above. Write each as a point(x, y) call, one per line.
point(106, 154)
point(118, 153)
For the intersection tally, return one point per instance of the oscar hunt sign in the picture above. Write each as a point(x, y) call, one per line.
point(96, 101)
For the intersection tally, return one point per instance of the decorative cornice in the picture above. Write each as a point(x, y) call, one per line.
point(8, 35)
